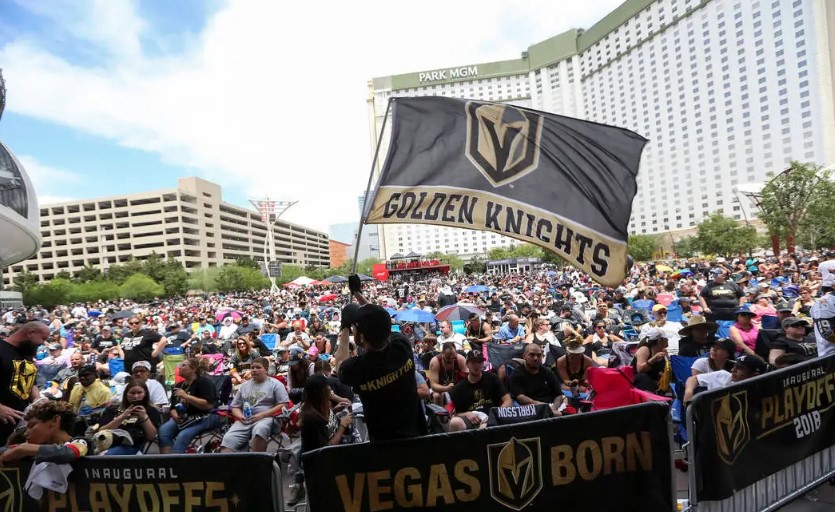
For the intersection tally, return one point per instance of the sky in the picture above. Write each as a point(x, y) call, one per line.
point(264, 97)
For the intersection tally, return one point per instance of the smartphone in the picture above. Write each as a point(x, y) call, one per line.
point(354, 283)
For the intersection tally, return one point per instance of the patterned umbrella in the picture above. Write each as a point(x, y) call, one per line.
point(457, 312)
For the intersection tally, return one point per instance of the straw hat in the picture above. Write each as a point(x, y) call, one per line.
point(696, 320)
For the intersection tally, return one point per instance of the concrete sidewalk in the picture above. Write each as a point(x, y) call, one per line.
point(821, 499)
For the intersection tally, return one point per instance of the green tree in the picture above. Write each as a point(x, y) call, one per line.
point(642, 247)
point(786, 198)
point(203, 279)
point(64, 275)
point(229, 279)
point(247, 262)
point(140, 288)
point(499, 253)
point(721, 235)
point(119, 273)
point(87, 274)
point(253, 279)
point(687, 247)
point(24, 280)
point(53, 293)
point(365, 266)
point(817, 229)
point(476, 265)
point(94, 290)
point(175, 281)
point(527, 251)
point(154, 267)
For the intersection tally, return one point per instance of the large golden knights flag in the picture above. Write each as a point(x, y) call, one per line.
point(560, 183)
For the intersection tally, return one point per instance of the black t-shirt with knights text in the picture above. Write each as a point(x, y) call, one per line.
point(385, 382)
point(140, 346)
point(481, 396)
point(722, 297)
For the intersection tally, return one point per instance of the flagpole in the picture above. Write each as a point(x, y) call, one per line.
point(368, 186)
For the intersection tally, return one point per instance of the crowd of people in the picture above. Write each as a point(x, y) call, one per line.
point(95, 378)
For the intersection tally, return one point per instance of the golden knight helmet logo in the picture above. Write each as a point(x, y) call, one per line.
point(515, 472)
point(502, 141)
point(11, 497)
point(730, 419)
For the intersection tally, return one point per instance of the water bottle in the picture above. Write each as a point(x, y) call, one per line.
point(181, 410)
point(84, 408)
point(247, 410)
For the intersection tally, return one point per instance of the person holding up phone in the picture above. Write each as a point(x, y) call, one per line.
point(136, 415)
point(384, 375)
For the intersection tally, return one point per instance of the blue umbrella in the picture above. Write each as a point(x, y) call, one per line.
point(477, 288)
point(93, 312)
point(337, 279)
point(391, 311)
point(415, 315)
point(551, 273)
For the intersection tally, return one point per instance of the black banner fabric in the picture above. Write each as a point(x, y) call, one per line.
point(618, 460)
point(175, 483)
point(757, 427)
point(561, 183)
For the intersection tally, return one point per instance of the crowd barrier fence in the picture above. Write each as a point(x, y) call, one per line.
point(760, 443)
point(617, 459)
point(197, 483)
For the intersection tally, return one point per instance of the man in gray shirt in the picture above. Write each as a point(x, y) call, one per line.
point(261, 396)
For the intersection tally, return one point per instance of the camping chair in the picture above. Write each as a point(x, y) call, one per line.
point(770, 322)
point(681, 367)
point(47, 372)
point(171, 359)
point(613, 387)
point(209, 440)
point(724, 330)
point(269, 341)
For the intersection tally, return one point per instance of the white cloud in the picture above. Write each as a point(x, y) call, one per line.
point(48, 181)
point(272, 95)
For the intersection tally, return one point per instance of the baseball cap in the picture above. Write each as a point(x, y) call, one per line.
point(374, 322)
point(744, 311)
point(313, 351)
point(141, 364)
point(753, 363)
point(659, 307)
point(472, 355)
point(793, 320)
point(295, 357)
point(784, 309)
point(88, 369)
point(279, 350)
point(654, 333)
point(724, 343)
point(54, 346)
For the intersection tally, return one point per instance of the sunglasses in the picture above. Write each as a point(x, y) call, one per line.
point(133, 323)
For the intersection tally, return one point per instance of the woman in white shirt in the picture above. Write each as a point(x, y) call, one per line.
point(719, 357)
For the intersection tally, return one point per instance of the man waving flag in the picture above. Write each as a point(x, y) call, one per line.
point(560, 183)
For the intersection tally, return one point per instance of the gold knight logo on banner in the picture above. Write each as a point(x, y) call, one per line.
point(730, 417)
point(11, 499)
point(515, 471)
point(502, 141)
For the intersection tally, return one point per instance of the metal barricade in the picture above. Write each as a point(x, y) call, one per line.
point(767, 494)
